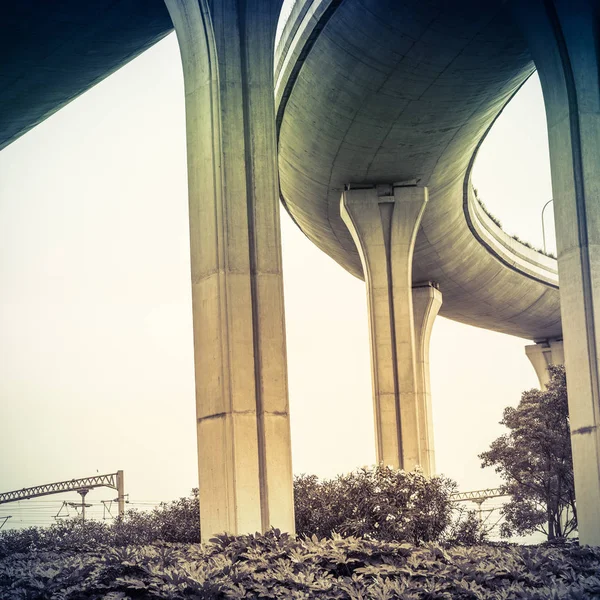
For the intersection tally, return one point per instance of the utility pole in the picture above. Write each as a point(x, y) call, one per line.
point(83, 504)
point(121, 492)
point(479, 502)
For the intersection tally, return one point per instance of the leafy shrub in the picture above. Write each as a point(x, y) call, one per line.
point(379, 503)
point(466, 529)
point(177, 521)
point(276, 565)
point(64, 535)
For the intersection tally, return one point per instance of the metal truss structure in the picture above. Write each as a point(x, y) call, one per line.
point(111, 480)
point(478, 495)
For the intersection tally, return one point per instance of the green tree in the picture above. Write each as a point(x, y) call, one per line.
point(535, 461)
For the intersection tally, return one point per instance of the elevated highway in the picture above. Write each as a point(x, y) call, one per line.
point(381, 99)
point(54, 51)
point(362, 96)
point(380, 107)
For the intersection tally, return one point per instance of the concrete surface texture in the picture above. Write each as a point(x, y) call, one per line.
point(563, 38)
point(427, 301)
point(383, 221)
point(395, 91)
point(244, 448)
point(544, 354)
point(54, 51)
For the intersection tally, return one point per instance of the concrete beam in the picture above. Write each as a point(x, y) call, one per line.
point(427, 300)
point(563, 39)
point(383, 221)
point(244, 450)
point(542, 355)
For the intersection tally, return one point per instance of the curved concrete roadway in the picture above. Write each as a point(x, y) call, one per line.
point(379, 91)
point(367, 91)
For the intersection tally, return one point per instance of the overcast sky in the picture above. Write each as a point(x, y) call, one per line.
point(96, 365)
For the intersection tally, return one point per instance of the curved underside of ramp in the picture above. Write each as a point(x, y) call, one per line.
point(51, 52)
point(393, 91)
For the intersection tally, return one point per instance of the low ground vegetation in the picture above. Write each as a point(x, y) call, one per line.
point(176, 521)
point(498, 223)
point(401, 539)
point(377, 503)
point(276, 565)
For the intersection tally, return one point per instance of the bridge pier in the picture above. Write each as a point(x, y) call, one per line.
point(244, 450)
point(427, 300)
point(564, 40)
point(383, 221)
point(542, 355)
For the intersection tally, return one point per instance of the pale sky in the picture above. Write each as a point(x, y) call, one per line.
point(96, 365)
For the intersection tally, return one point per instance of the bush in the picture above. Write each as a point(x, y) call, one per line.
point(465, 530)
point(276, 565)
point(378, 503)
point(177, 521)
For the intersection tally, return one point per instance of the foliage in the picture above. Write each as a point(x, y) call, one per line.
point(487, 211)
point(465, 529)
point(528, 245)
point(275, 565)
point(379, 503)
point(535, 461)
point(177, 521)
point(498, 223)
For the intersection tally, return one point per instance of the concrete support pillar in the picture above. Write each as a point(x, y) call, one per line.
point(244, 451)
point(564, 40)
point(383, 221)
point(427, 300)
point(543, 354)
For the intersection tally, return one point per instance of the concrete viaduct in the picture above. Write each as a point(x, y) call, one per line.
point(365, 120)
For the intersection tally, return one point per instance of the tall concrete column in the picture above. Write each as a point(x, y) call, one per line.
point(563, 37)
point(542, 355)
point(244, 451)
point(427, 300)
point(383, 221)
